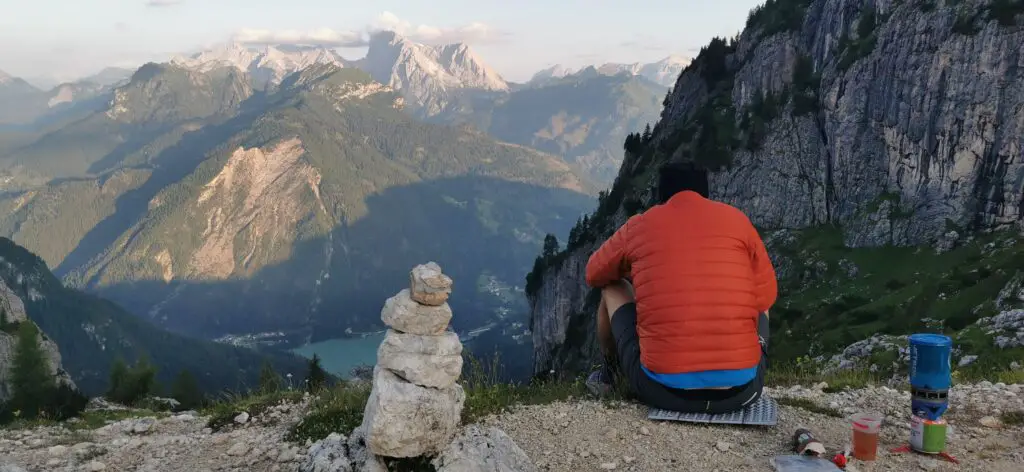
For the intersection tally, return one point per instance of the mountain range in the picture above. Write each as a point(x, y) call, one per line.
point(214, 208)
point(447, 84)
point(283, 192)
point(663, 72)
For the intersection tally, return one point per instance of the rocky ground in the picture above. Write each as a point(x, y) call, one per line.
point(181, 442)
point(587, 435)
point(576, 435)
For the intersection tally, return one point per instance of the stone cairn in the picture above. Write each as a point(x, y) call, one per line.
point(415, 404)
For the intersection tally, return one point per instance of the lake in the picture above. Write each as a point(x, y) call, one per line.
point(340, 355)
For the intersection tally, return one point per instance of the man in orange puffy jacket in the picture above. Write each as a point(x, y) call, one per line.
point(690, 328)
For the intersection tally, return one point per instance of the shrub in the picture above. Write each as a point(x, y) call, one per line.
point(805, 86)
point(224, 411)
point(7, 326)
point(964, 25)
point(712, 59)
point(777, 16)
point(316, 377)
point(851, 51)
point(1005, 11)
point(270, 380)
point(186, 391)
point(895, 284)
point(129, 386)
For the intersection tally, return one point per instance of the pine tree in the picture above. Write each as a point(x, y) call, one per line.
point(143, 378)
point(118, 378)
point(30, 381)
point(128, 386)
point(647, 133)
point(550, 246)
point(269, 380)
point(316, 378)
point(186, 390)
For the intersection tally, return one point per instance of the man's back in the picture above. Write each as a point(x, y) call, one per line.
point(701, 276)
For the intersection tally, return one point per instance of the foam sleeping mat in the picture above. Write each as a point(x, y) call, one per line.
point(764, 412)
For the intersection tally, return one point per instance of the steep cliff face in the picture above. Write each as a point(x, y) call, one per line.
point(12, 313)
point(897, 121)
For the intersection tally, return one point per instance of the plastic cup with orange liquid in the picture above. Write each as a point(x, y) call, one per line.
point(866, 426)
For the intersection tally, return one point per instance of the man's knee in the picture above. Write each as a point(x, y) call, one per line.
point(616, 294)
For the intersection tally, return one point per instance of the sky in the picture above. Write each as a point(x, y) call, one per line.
point(67, 39)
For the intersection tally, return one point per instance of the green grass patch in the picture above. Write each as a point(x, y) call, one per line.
point(223, 412)
point(336, 409)
point(832, 295)
point(805, 404)
point(88, 420)
point(100, 418)
point(1013, 418)
point(808, 373)
point(486, 394)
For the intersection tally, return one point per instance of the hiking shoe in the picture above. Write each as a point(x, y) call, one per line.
point(599, 382)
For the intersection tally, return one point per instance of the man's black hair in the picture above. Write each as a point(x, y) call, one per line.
point(676, 177)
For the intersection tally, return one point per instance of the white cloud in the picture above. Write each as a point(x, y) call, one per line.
point(319, 37)
point(163, 3)
point(475, 32)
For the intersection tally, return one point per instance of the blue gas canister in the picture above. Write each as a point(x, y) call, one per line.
point(930, 376)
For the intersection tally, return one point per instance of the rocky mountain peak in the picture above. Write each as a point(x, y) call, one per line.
point(168, 93)
point(230, 54)
point(4, 77)
point(556, 71)
point(339, 84)
point(426, 74)
point(267, 64)
point(663, 72)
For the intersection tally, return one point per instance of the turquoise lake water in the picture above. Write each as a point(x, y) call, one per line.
point(339, 356)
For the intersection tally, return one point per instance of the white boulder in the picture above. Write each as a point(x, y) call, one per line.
point(327, 455)
point(479, 449)
point(428, 361)
point(406, 420)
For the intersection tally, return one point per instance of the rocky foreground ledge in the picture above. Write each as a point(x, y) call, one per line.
point(570, 435)
point(587, 435)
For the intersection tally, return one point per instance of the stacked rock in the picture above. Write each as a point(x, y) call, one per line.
point(415, 403)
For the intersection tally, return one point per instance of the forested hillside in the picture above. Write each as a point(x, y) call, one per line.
point(92, 333)
point(294, 212)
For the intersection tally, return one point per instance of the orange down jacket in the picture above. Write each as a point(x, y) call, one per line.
point(701, 274)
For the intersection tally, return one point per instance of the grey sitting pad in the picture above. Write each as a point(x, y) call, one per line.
point(764, 412)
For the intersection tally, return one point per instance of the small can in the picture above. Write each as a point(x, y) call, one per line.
point(927, 436)
point(805, 444)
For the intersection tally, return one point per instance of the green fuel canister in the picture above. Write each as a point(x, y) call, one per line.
point(927, 436)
